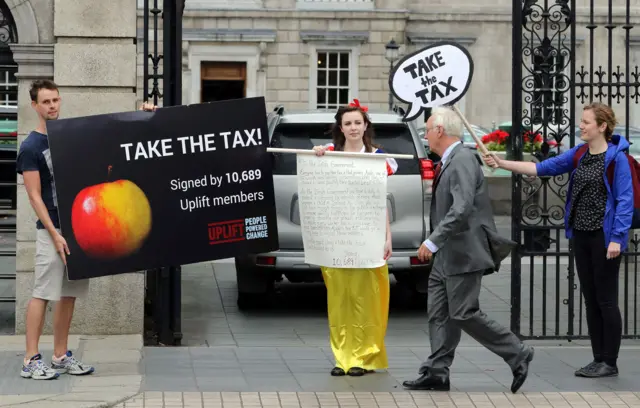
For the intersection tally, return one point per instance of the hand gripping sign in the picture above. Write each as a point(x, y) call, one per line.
point(437, 75)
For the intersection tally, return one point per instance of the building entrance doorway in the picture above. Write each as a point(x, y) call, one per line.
point(221, 81)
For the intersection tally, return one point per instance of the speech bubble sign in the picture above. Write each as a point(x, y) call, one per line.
point(436, 75)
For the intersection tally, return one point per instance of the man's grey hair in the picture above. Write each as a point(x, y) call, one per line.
point(448, 119)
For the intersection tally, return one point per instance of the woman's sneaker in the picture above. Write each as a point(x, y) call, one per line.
point(584, 371)
point(600, 369)
point(38, 370)
point(70, 365)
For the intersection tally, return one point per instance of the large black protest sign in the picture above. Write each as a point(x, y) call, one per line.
point(436, 75)
point(185, 184)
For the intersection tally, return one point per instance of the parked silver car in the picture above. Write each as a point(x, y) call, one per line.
point(406, 194)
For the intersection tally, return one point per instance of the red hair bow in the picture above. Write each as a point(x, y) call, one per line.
point(356, 104)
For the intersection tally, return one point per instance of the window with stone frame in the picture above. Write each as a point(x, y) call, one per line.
point(8, 67)
point(332, 78)
point(548, 98)
point(8, 81)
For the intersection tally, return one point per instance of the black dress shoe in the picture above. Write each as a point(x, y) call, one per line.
point(337, 372)
point(520, 374)
point(428, 383)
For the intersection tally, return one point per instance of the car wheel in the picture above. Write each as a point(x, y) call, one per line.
point(255, 286)
point(252, 301)
point(408, 294)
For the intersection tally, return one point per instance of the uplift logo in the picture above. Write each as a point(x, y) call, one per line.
point(226, 231)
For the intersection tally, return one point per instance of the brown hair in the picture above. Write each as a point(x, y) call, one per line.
point(39, 84)
point(338, 136)
point(603, 114)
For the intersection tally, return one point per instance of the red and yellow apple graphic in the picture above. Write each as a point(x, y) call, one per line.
point(111, 220)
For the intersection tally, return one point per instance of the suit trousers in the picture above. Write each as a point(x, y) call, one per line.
point(454, 306)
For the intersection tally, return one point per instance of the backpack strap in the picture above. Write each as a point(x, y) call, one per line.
point(611, 171)
point(578, 154)
point(635, 181)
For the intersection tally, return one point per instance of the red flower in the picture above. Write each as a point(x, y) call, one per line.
point(497, 136)
point(537, 138)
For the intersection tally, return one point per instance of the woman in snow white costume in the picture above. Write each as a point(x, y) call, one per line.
point(357, 299)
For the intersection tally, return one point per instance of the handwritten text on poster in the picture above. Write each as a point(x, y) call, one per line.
point(342, 204)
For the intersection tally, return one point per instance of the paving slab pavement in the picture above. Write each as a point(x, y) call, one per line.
point(306, 369)
point(298, 377)
point(382, 400)
point(281, 358)
point(117, 377)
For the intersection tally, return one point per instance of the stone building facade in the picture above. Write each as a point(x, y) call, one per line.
point(88, 48)
point(308, 54)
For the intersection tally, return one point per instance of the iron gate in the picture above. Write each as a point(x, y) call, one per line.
point(8, 139)
point(550, 86)
point(163, 285)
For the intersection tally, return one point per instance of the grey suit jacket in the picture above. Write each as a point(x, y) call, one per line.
point(461, 219)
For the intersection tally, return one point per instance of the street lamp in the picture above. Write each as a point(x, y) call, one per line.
point(391, 54)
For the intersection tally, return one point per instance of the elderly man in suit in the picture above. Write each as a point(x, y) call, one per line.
point(465, 246)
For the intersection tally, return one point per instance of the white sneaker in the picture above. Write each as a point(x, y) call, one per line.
point(38, 370)
point(71, 366)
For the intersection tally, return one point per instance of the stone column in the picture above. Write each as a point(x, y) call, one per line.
point(262, 71)
point(186, 75)
point(94, 64)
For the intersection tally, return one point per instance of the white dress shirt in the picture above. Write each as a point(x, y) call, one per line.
point(432, 247)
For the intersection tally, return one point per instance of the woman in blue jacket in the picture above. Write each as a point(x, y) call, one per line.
point(597, 218)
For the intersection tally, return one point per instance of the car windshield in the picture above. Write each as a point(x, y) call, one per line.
point(392, 138)
point(466, 135)
point(634, 137)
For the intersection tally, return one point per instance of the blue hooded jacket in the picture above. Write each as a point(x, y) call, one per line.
point(619, 210)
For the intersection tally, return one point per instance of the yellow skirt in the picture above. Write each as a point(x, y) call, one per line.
point(358, 306)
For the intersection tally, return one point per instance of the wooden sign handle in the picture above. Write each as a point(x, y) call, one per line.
point(475, 137)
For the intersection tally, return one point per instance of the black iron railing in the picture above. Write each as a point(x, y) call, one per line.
point(546, 301)
point(163, 286)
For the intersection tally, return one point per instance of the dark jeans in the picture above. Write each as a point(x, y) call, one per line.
point(599, 283)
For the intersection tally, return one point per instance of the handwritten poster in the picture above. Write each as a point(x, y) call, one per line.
point(343, 213)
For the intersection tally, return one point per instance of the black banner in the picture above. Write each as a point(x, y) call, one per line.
point(185, 184)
